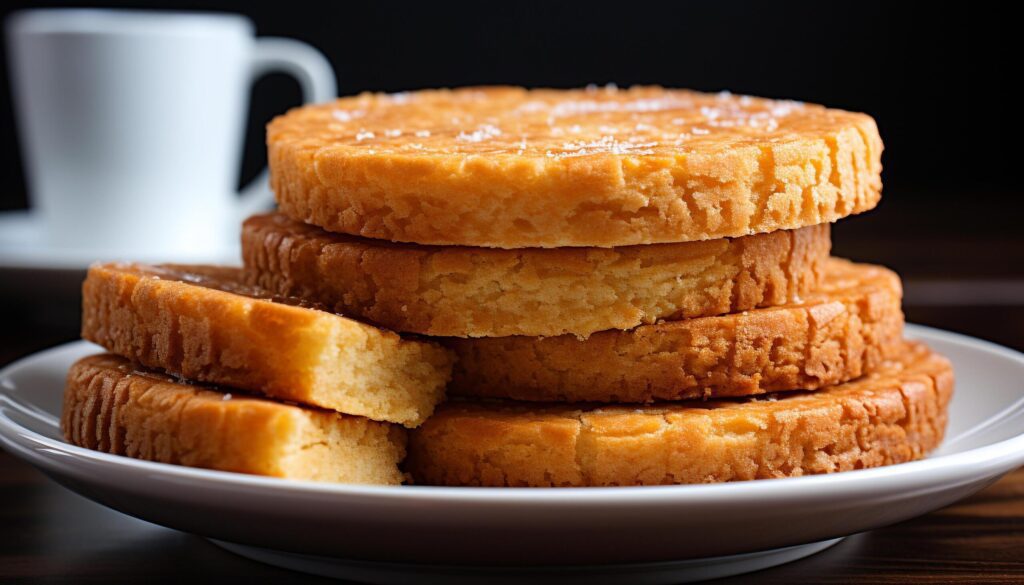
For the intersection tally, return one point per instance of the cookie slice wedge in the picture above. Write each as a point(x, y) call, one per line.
point(204, 324)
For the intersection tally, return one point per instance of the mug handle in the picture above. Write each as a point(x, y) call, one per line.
point(316, 79)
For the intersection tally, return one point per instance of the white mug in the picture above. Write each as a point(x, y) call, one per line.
point(132, 123)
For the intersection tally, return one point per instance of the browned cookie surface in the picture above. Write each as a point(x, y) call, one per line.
point(483, 292)
point(839, 332)
point(506, 167)
point(893, 415)
point(112, 406)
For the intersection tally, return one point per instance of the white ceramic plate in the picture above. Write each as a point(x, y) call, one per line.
point(23, 247)
point(592, 535)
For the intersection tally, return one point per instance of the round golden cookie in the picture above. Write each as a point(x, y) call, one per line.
point(484, 292)
point(893, 415)
point(841, 331)
point(505, 167)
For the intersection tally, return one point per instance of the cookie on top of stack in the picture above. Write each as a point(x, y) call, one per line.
point(617, 287)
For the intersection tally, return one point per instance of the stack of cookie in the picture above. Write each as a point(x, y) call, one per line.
point(207, 372)
point(634, 287)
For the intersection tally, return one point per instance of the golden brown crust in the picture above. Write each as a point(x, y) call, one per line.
point(485, 292)
point(111, 406)
point(202, 323)
point(511, 168)
point(893, 415)
point(842, 331)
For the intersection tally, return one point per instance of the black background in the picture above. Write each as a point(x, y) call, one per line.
point(936, 78)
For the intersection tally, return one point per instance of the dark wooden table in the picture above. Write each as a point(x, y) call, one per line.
point(972, 285)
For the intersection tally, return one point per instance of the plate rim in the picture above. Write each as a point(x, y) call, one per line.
point(62, 259)
point(25, 443)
